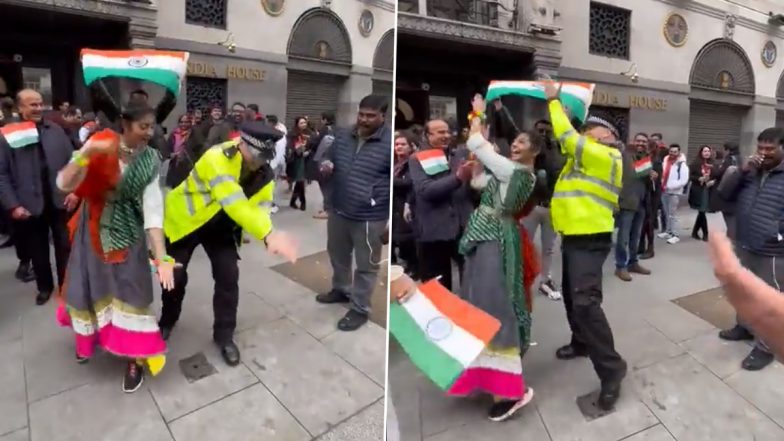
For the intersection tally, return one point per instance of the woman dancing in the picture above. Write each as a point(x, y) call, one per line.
point(494, 279)
point(108, 290)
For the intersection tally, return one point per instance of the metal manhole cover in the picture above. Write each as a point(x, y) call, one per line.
point(196, 367)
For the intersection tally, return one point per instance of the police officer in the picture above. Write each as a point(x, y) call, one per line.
point(585, 197)
point(205, 210)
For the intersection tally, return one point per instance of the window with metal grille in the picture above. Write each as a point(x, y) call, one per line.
point(210, 13)
point(203, 93)
point(610, 31)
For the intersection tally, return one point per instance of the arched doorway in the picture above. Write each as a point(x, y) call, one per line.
point(722, 91)
point(383, 65)
point(780, 102)
point(319, 53)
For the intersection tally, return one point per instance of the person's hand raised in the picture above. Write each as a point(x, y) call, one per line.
point(552, 90)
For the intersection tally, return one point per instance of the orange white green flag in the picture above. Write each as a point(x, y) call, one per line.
point(441, 333)
point(166, 68)
point(433, 161)
point(20, 134)
point(576, 97)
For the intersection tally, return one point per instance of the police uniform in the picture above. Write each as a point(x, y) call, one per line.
point(206, 209)
point(582, 207)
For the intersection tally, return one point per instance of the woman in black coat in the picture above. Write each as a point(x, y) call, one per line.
point(703, 176)
point(727, 208)
point(403, 240)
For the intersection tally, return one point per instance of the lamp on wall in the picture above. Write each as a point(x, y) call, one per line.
point(229, 43)
point(632, 73)
point(326, 3)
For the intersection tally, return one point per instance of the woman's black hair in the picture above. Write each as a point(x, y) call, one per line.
point(536, 140)
point(409, 137)
point(696, 163)
point(135, 110)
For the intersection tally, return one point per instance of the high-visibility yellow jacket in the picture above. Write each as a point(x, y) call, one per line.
point(586, 193)
point(213, 185)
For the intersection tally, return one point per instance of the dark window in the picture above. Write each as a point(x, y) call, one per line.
point(610, 32)
point(203, 93)
point(210, 13)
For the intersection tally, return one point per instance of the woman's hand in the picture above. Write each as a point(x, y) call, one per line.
point(165, 272)
point(552, 90)
point(478, 103)
point(98, 146)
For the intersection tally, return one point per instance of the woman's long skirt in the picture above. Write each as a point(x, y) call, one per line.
point(498, 370)
point(108, 304)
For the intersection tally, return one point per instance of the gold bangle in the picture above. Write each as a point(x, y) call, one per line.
point(79, 159)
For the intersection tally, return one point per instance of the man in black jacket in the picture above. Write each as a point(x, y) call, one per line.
point(358, 164)
point(755, 189)
point(631, 216)
point(28, 169)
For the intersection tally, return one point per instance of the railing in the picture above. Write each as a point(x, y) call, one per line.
point(494, 13)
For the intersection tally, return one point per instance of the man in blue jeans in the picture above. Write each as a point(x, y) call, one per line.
point(629, 220)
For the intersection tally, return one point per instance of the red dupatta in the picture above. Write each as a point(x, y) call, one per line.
point(531, 264)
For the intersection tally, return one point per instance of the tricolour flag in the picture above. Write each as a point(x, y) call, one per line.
point(643, 166)
point(577, 97)
point(166, 68)
point(433, 161)
point(441, 333)
point(20, 134)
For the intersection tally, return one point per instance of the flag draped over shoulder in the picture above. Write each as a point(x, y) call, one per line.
point(577, 97)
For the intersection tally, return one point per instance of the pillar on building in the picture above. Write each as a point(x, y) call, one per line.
point(142, 32)
point(357, 86)
point(761, 115)
point(546, 62)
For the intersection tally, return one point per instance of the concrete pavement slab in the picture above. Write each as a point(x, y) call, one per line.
point(721, 357)
point(13, 397)
point(19, 435)
point(656, 346)
point(367, 425)
point(675, 322)
point(319, 388)
point(655, 433)
point(365, 349)
point(317, 319)
point(176, 396)
point(249, 415)
point(695, 405)
point(525, 425)
point(98, 411)
point(764, 389)
point(272, 287)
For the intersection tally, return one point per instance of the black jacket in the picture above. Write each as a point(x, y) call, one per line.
point(401, 189)
point(732, 159)
point(360, 178)
point(759, 208)
point(20, 170)
point(698, 189)
point(634, 189)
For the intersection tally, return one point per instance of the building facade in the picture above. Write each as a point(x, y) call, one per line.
point(450, 49)
point(41, 39)
point(700, 72)
point(292, 58)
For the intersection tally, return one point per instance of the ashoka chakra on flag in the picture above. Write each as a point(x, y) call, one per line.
point(577, 97)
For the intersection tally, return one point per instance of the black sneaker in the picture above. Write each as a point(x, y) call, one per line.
point(334, 296)
point(43, 297)
point(352, 321)
point(134, 377)
point(503, 410)
point(736, 333)
point(24, 272)
point(81, 360)
point(569, 352)
point(757, 360)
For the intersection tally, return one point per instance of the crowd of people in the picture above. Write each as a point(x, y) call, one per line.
point(472, 205)
point(127, 197)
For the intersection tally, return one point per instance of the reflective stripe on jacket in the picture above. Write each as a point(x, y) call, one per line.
point(586, 194)
point(213, 185)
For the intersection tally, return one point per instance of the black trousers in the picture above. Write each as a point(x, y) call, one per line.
point(648, 234)
point(700, 224)
point(298, 194)
point(219, 242)
point(435, 259)
point(583, 258)
point(31, 237)
point(406, 250)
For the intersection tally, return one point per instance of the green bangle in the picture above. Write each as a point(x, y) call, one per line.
point(79, 159)
point(168, 259)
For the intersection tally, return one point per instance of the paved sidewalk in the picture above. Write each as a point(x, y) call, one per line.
point(684, 383)
point(300, 379)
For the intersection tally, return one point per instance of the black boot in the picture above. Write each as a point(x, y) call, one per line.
point(230, 353)
point(24, 272)
point(570, 351)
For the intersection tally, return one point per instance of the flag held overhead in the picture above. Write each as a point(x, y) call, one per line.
point(577, 97)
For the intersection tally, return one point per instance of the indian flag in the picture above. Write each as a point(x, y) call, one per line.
point(441, 333)
point(20, 134)
point(166, 68)
point(575, 96)
point(433, 161)
point(643, 166)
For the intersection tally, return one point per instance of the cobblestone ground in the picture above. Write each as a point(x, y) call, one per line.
point(684, 383)
point(300, 378)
